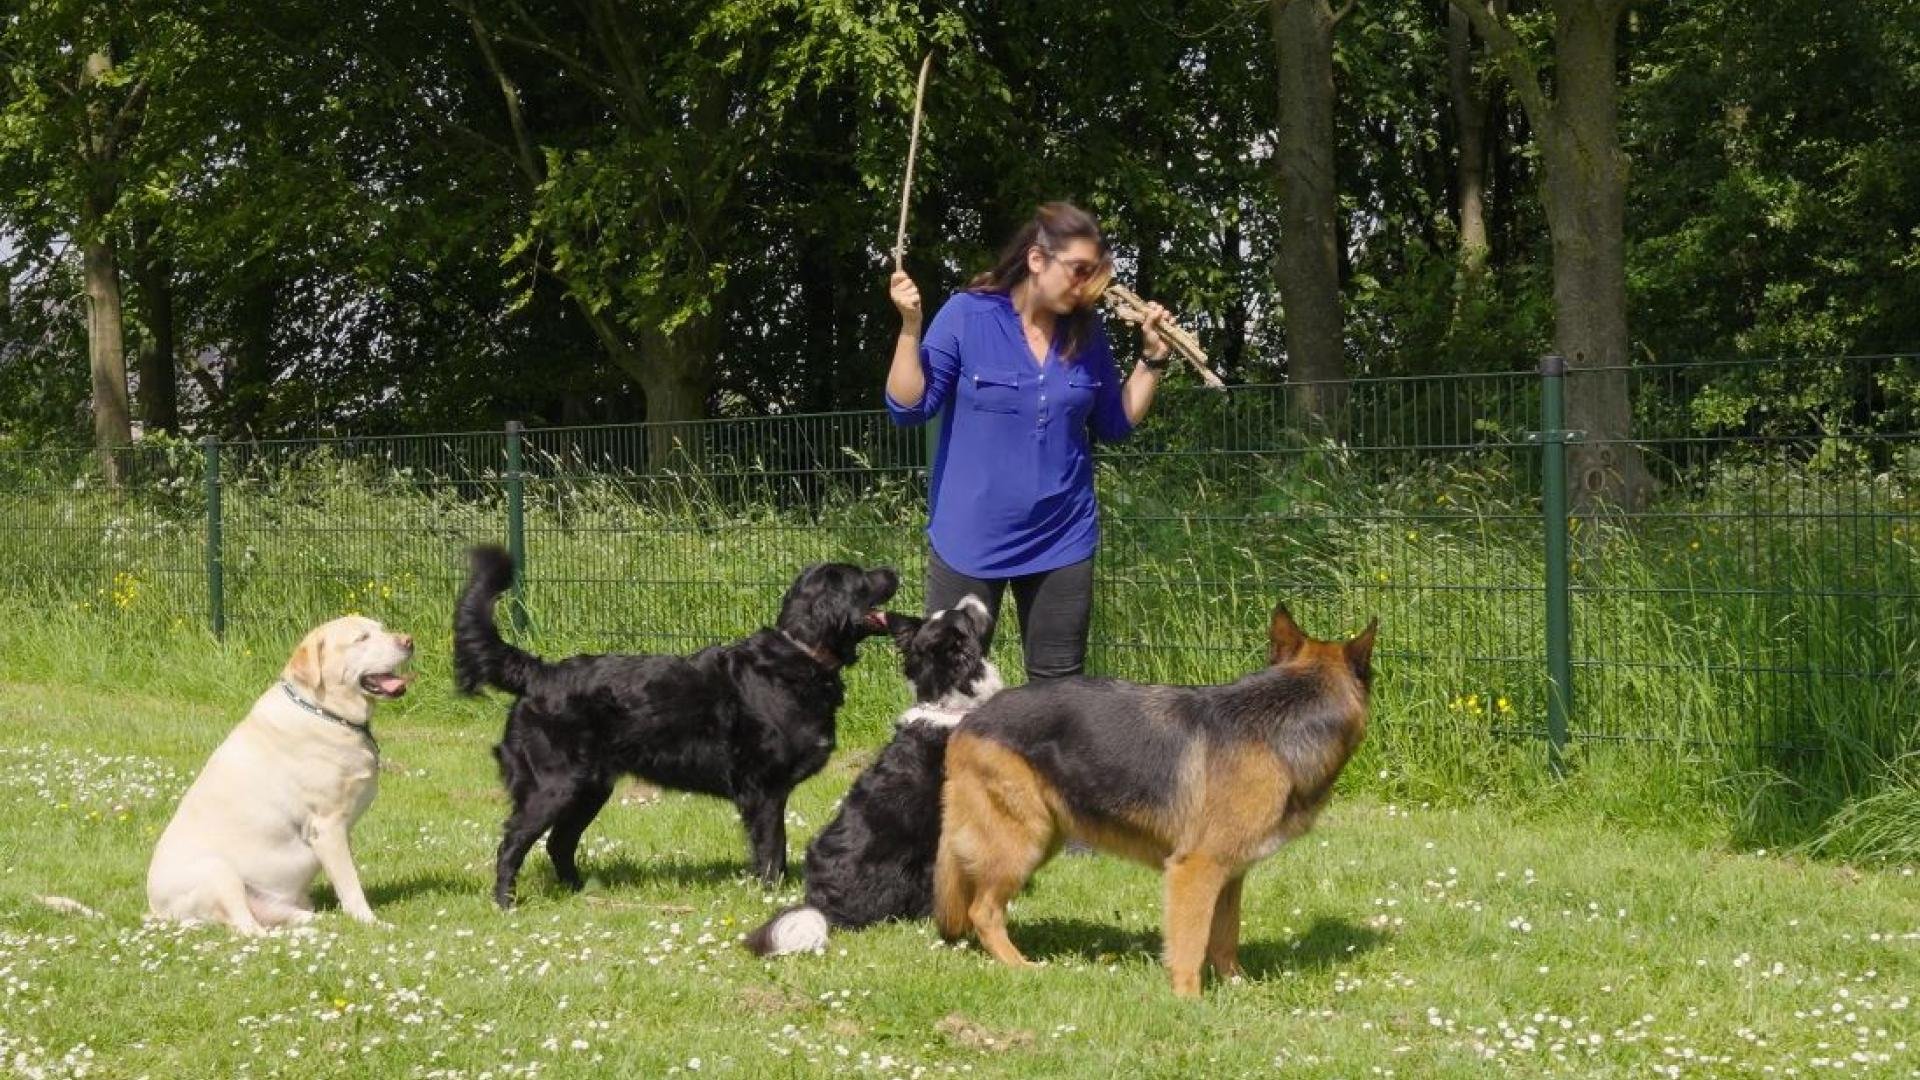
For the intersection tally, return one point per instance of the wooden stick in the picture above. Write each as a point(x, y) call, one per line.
point(1128, 307)
point(913, 148)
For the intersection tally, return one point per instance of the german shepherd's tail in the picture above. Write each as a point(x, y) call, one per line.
point(481, 657)
point(797, 929)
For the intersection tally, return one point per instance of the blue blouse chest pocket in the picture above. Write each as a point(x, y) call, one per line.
point(1082, 388)
point(995, 392)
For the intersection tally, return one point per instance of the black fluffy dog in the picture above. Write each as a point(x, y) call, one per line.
point(874, 860)
point(746, 722)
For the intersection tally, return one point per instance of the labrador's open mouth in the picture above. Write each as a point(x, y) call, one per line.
point(877, 621)
point(385, 684)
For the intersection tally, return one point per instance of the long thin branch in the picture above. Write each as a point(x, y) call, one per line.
point(127, 117)
point(1512, 55)
point(536, 39)
point(439, 118)
point(628, 72)
point(603, 328)
point(523, 143)
point(913, 149)
point(618, 350)
point(589, 78)
point(41, 271)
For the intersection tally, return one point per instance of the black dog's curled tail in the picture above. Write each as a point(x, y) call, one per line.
point(481, 657)
point(797, 929)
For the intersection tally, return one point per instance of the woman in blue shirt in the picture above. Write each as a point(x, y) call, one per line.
point(1019, 370)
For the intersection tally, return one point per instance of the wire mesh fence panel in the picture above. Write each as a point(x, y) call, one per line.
point(313, 529)
point(76, 546)
point(669, 537)
point(1758, 583)
point(1414, 504)
point(1741, 567)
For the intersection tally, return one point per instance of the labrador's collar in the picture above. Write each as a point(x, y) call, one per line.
point(363, 730)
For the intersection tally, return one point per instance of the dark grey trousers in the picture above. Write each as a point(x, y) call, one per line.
point(1053, 607)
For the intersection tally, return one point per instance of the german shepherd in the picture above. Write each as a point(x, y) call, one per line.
point(1201, 781)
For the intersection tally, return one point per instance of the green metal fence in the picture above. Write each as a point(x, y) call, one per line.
point(1762, 594)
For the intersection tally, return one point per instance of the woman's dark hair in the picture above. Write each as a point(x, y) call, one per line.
point(1053, 225)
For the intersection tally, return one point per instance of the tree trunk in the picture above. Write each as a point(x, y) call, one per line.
point(1507, 128)
point(1308, 265)
point(1585, 188)
point(676, 378)
point(100, 270)
point(106, 347)
point(1586, 193)
point(818, 292)
point(1233, 329)
point(1470, 124)
point(159, 383)
point(250, 369)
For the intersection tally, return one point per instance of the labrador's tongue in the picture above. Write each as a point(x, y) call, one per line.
point(389, 684)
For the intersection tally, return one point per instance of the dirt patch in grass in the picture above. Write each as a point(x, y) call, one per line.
point(975, 1036)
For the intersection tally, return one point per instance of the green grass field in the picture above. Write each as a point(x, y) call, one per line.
point(1723, 885)
point(1578, 930)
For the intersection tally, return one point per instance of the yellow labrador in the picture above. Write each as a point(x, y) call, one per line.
point(275, 802)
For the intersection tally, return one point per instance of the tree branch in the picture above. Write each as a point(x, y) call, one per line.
point(590, 79)
point(125, 119)
point(1345, 9)
point(1512, 55)
point(627, 71)
point(209, 385)
point(608, 87)
point(523, 143)
point(440, 118)
point(623, 355)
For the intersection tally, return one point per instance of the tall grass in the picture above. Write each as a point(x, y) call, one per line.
point(1745, 648)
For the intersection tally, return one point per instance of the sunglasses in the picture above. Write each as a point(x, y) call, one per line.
point(1079, 269)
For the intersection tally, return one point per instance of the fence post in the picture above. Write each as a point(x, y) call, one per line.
point(216, 562)
point(1553, 505)
point(517, 524)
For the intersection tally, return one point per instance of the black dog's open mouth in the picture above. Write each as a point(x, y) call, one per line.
point(876, 621)
point(385, 684)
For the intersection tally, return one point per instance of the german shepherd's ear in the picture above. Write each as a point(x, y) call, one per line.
point(1359, 652)
point(304, 668)
point(1284, 636)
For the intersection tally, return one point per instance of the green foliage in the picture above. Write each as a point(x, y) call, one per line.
point(44, 388)
point(359, 238)
point(1770, 218)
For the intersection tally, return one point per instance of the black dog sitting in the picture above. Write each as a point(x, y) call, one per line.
point(874, 860)
point(746, 722)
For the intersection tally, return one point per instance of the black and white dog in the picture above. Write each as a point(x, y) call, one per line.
point(874, 860)
point(746, 722)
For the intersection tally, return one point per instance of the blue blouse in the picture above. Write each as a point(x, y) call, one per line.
point(1012, 487)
